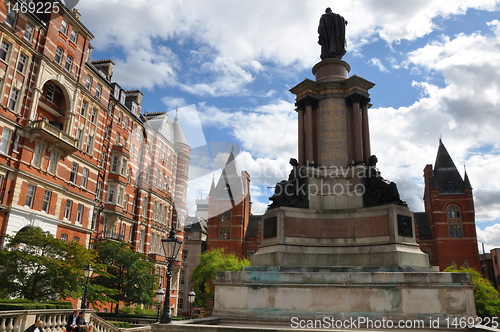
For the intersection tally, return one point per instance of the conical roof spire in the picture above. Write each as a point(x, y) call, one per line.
point(446, 176)
point(467, 184)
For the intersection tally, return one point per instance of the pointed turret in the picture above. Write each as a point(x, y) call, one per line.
point(178, 133)
point(446, 177)
point(230, 185)
point(467, 184)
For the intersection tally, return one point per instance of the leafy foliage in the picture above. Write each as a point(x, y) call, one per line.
point(486, 296)
point(126, 271)
point(37, 266)
point(211, 262)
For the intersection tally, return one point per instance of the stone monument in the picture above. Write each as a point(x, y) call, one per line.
point(337, 239)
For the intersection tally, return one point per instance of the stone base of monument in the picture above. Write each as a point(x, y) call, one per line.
point(374, 236)
point(364, 295)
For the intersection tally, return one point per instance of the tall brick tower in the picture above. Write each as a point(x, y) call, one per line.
point(229, 206)
point(447, 230)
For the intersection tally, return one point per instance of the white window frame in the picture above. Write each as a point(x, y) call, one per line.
point(85, 177)
point(73, 175)
point(98, 90)
point(53, 160)
point(58, 55)
point(88, 82)
point(14, 98)
point(85, 106)
point(6, 140)
point(38, 153)
point(47, 195)
point(111, 193)
point(22, 62)
point(90, 144)
point(73, 36)
point(30, 196)
point(29, 31)
point(64, 27)
point(79, 213)
point(5, 48)
point(67, 209)
point(68, 65)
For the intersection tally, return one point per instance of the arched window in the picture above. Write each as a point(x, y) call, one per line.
point(64, 237)
point(225, 225)
point(453, 212)
point(454, 221)
point(76, 239)
point(466, 264)
point(453, 263)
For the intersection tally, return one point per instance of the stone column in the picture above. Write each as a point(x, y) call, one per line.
point(357, 144)
point(301, 136)
point(309, 135)
point(366, 131)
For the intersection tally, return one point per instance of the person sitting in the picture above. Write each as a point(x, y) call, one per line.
point(37, 327)
point(82, 324)
point(72, 322)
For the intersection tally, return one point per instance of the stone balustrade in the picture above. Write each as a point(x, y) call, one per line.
point(55, 321)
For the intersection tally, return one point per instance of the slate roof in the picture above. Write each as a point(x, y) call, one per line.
point(446, 177)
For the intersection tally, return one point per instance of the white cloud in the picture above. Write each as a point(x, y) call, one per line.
point(378, 63)
point(235, 40)
point(490, 236)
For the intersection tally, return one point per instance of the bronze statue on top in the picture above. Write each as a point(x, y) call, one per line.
point(332, 35)
point(378, 190)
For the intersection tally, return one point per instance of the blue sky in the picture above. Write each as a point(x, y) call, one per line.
point(228, 66)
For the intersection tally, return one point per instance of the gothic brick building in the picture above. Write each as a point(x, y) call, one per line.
point(230, 223)
point(77, 156)
point(446, 231)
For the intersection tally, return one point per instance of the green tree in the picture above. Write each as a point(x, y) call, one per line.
point(126, 271)
point(210, 262)
point(37, 266)
point(486, 297)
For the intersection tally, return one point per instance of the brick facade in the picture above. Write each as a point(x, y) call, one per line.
point(77, 156)
point(447, 230)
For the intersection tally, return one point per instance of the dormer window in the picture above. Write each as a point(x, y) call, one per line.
point(122, 98)
point(134, 108)
point(116, 92)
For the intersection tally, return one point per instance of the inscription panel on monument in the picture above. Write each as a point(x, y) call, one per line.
point(332, 133)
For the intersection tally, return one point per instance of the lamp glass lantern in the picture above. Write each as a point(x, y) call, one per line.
point(88, 272)
point(160, 294)
point(191, 296)
point(171, 246)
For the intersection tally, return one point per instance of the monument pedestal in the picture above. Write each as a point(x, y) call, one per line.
point(355, 294)
point(337, 258)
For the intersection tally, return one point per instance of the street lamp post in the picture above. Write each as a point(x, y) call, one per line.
point(171, 246)
point(159, 299)
point(191, 297)
point(87, 273)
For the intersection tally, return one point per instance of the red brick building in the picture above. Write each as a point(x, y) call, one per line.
point(77, 156)
point(230, 223)
point(447, 230)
